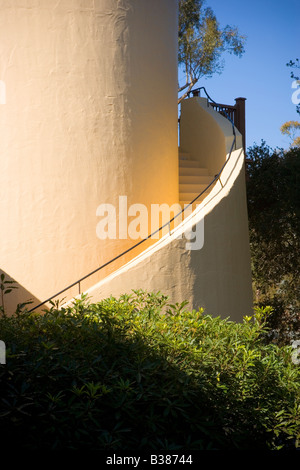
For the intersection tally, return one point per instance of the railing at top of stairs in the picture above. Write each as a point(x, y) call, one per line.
point(227, 114)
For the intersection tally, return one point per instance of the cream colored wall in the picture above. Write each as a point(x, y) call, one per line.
point(217, 276)
point(206, 134)
point(90, 114)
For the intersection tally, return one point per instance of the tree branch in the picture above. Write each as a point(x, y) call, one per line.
point(190, 86)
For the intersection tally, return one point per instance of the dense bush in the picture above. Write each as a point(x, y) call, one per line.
point(273, 195)
point(136, 373)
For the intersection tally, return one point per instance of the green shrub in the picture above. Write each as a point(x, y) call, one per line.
point(273, 199)
point(136, 373)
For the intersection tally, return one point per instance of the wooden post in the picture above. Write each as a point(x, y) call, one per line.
point(240, 118)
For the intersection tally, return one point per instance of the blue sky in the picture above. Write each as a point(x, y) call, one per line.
point(260, 75)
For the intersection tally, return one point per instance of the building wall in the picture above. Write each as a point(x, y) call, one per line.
point(212, 271)
point(90, 114)
point(206, 134)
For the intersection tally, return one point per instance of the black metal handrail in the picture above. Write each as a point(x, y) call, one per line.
point(167, 224)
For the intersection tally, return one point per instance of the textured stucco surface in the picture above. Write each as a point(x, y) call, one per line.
point(206, 134)
point(90, 114)
point(216, 277)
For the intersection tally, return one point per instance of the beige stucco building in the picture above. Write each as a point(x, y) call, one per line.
point(90, 115)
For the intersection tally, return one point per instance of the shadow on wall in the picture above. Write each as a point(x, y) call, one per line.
point(226, 252)
point(13, 294)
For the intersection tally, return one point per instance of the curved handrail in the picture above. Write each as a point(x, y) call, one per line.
point(216, 177)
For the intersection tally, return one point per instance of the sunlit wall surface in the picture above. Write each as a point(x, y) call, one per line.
point(90, 114)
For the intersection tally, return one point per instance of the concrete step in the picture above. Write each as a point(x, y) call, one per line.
point(192, 171)
point(195, 179)
point(189, 163)
point(184, 155)
point(181, 151)
point(188, 197)
point(191, 188)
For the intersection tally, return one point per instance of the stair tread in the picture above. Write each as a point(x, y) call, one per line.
point(191, 188)
point(198, 201)
point(190, 171)
point(195, 203)
point(189, 163)
point(195, 179)
point(184, 156)
point(190, 195)
point(182, 153)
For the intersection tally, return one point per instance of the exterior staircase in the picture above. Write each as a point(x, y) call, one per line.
point(193, 179)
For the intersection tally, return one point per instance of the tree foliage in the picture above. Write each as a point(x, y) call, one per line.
point(291, 128)
point(202, 42)
point(273, 191)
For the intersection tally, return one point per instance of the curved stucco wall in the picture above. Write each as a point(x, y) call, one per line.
point(217, 276)
point(90, 114)
point(205, 134)
point(213, 270)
